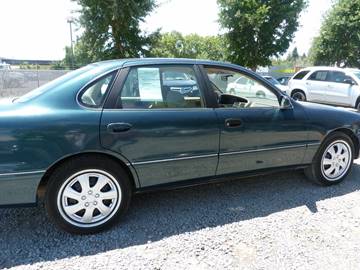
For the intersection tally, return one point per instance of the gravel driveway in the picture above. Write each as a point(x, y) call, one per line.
point(280, 221)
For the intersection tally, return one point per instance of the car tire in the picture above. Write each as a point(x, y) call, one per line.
point(357, 104)
point(333, 161)
point(298, 95)
point(260, 94)
point(88, 194)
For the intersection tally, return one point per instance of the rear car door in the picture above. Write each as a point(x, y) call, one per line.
point(256, 134)
point(338, 91)
point(316, 85)
point(156, 117)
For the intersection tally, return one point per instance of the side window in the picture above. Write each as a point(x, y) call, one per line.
point(318, 76)
point(301, 75)
point(94, 95)
point(339, 77)
point(252, 93)
point(161, 87)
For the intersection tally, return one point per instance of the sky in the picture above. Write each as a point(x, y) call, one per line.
point(38, 29)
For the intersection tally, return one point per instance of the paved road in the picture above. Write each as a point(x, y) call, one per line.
point(279, 221)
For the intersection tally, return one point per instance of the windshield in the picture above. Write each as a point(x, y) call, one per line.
point(42, 89)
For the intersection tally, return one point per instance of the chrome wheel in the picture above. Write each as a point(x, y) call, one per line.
point(300, 96)
point(336, 160)
point(89, 198)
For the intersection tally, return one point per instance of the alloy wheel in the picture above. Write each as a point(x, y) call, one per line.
point(336, 160)
point(89, 198)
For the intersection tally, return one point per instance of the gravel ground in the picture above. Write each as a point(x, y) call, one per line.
point(280, 221)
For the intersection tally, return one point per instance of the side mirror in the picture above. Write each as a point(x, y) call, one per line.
point(285, 103)
point(349, 81)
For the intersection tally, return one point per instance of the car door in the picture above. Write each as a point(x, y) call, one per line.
point(316, 85)
point(338, 90)
point(156, 117)
point(256, 134)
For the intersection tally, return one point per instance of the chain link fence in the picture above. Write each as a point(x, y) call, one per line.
point(15, 83)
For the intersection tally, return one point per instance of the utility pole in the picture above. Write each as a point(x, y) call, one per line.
point(70, 21)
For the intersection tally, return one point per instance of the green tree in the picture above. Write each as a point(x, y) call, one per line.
point(112, 29)
point(174, 44)
point(295, 54)
point(69, 60)
point(339, 38)
point(258, 30)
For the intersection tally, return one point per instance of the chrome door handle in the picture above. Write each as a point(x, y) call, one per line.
point(118, 127)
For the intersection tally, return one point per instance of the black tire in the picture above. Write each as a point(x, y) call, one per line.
point(315, 171)
point(62, 174)
point(260, 94)
point(298, 95)
point(357, 104)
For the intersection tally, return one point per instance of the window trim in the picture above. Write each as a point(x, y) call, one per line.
point(117, 87)
point(264, 82)
point(91, 83)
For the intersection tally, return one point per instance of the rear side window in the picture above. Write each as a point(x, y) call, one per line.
point(161, 87)
point(301, 75)
point(94, 95)
point(319, 76)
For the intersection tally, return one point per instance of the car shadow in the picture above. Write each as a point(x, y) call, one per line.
point(28, 237)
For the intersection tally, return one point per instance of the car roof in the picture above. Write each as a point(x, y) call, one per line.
point(352, 69)
point(147, 61)
point(328, 68)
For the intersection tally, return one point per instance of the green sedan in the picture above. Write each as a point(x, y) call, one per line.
point(93, 138)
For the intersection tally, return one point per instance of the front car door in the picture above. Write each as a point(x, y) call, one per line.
point(256, 133)
point(339, 91)
point(316, 85)
point(156, 117)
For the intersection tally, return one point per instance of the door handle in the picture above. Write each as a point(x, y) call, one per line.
point(118, 127)
point(233, 123)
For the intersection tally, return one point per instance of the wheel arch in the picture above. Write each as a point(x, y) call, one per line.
point(298, 89)
point(352, 136)
point(125, 165)
point(357, 101)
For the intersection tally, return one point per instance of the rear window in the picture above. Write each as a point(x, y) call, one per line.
point(301, 75)
point(94, 94)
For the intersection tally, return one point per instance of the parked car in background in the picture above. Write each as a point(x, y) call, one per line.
point(329, 85)
point(243, 86)
point(284, 80)
point(276, 83)
point(179, 81)
point(98, 135)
